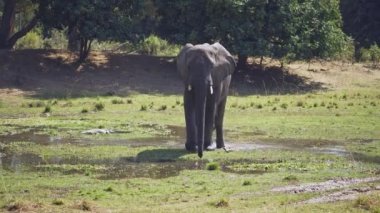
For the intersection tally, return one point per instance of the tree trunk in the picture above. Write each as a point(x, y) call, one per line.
point(73, 39)
point(84, 50)
point(7, 40)
point(242, 62)
point(7, 23)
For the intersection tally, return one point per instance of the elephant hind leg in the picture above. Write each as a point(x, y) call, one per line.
point(219, 123)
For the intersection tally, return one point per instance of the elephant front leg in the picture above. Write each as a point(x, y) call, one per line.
point(209, 121)
point(189, 106)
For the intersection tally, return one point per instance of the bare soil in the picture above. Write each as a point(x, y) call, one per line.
point(53, 73)
point(337, 184)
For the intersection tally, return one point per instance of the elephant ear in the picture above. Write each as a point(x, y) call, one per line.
point(182, 61)
point(224, 63)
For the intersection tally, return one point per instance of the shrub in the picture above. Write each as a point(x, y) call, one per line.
point(247, 183)
point(162, 108)
point(32, 40)
point(129, 101)
point(372, 54)
point(99, 106)
point(56, 40)
point(222, 203)
point(84, 110)
point(143, 108)
point(57, 202)
point(154, 45)
point(284, 105)
point(212, 166)
point(117, 101)
point(47, 109)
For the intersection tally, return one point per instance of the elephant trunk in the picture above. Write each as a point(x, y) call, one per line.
point(200, 109)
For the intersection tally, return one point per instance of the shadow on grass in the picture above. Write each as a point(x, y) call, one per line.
point(269, 80)
point(52, 74)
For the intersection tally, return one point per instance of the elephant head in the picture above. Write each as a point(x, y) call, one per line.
point(202, 68)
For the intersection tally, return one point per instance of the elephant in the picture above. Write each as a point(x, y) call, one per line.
point(206, 72)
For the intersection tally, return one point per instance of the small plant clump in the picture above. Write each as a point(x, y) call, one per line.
point(143, 107)
point(163, 108)
point(259, 106)
point(247, 183)
point(222, 203)
point(117, 101)
point(290, 178)
point(84, 110)
point(300, 104)
point(129, 101)
point(284, 105)
point(57, 202)
point(99, 106)
point(47, 109)
point(109, 189)
point(212, 166)
point(84, 206)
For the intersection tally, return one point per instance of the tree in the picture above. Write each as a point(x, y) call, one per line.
point(316, 29)
point(361, 20)
point(88, 20)
point(182, 21)
point(8, 33)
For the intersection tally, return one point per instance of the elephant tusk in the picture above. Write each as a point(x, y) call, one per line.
point(189, 88)
point(211, 90)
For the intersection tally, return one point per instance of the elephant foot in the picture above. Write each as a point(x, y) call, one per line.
point(210, 148)
point(190, 147)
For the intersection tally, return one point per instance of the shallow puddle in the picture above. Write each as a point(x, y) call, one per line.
point(158, 163)
point(109, 168)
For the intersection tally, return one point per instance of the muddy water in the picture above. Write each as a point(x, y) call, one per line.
point(154, 168)
point(108, 168)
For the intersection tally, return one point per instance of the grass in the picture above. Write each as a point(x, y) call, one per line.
point(71, 171)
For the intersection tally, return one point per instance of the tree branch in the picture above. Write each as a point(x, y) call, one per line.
point(23, 31)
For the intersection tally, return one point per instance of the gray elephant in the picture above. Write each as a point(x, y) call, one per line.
point(206, 72)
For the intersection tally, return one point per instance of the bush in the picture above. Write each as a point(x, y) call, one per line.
point(154, 45)
point(212, 166)
point(117, 101)
point(47, 109)
point(99, 106)
point(56, 40)
point(32, 40)
point(372, 54)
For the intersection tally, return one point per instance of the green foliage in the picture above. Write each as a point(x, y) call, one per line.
point(47, 109)
point(32, 40)
point(371, 54)
point(154, 45)
point(316, 29)
point(213, 166)
point(56, 39)
point(88, 20)
point(99, 106)
point(361, 21)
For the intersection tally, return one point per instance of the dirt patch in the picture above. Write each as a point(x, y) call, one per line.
point(349, 194)
point(324, 186)
point(51, 73)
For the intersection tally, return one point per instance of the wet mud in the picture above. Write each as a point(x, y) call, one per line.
point(116, 168)
point(158, 163)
